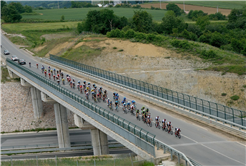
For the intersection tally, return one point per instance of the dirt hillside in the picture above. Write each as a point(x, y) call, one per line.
point(163, 67)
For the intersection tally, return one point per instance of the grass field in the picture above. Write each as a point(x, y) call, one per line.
point(80, 13)
point(19, 27)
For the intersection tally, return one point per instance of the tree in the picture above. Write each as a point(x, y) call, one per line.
point(2, 4)
point(235, 14)
point(28, 9)
point(170, 21)
point(174, 8)
point(62, 18)
point(202, 21)
point(142, 21)
point(10, 14)
point(217, 39)
point(236, 45)
point(18, 6)
point(195, 29)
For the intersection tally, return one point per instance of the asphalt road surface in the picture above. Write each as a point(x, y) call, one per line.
point(198, 143)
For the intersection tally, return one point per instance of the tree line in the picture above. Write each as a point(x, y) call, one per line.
point(12, 12)
point(228, 36)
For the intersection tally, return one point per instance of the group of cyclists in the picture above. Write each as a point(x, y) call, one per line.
point(98, 94)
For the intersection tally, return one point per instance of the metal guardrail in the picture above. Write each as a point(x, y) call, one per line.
point(136, 135)
point(110, 142)
point(57, 149)
point(223, 112)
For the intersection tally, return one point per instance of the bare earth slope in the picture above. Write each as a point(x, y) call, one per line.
point(165, 68)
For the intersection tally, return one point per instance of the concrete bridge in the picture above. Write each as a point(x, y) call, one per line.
point(148, 143)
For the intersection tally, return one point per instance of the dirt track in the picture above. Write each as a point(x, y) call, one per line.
point(208, 10)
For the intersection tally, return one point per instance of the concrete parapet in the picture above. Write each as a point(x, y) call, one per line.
point(24, 83)
point(37, 102)
point(99, 142)
point(62, 126)
point(81, 123)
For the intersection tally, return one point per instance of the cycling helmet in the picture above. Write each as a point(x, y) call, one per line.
point(124, 98)
point(164, 119)
point(100, 87)
point(89, 83)
point(84, 81)
point(79, 81)
point(133, 101)
point(128, 102)
point(93, 84)
point(108, 98)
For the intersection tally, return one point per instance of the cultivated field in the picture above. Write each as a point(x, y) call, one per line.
point(221, 4)
point(209, 10)
point(80, 13)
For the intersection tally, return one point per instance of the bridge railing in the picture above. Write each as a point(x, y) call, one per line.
point(211, 108)
point(126, 129)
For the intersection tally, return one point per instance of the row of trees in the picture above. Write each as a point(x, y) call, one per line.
point(223, 36)
point(12, 12)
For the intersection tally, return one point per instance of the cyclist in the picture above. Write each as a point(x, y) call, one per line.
point(110, 104)
point(105, 92)
point(177, 130)
point(63, 81)
point(98, 96)
point(123, 101)
point(54, 71)
point(116, 103)
point(137, 113)
point(92, 94)
point(73, 84)
point(164, 122)
point(51, 72)
point(128, 105)
point(148, 119)
point(37, 65)
point(58, 81)
point(54, 77)
point(114, 95)
point(108, 101)
point(79, 82)
point(124, 106)
point(142, 108)
point(42, 68)
point(85, 83)
point(87, 95)
point(81, 89)
point(61, 74)
point(100, 91)
point(147, 111)
point(157, 120)
point(169, 126)
point(45, 73)
point(49, 69)
point(132, 108)
point(49, 75)
point(29, 64)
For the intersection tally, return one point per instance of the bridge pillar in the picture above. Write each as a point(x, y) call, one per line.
point(62, 126)
point(37, 102)
point(12, 74)
point(24, 83)
point(99, 142)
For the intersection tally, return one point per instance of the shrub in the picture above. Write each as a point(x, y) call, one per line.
point(140, 36)
point(129, 34)
point(208, 54)
point(193, 36)
point(223, 94)
point(180, 44)
point(244, 86)
point(114, 47)
point(235, 97)
point(150, 37)
point(121, 50)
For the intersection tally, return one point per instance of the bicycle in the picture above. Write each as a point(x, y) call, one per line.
point(138, 118)
point(125, 110)
point(169, 131)
point(116, 108)
point(132, 112)
point(149, 123)
point(110, 107)
point(95, 99)
point(177, 134)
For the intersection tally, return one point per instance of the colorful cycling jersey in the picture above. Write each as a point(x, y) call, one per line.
point(124, 104)
point(128, 103)
point(156, 118)
point(137, 111)
point(87, 93)
point(163, 121)
point(148, 116)
point(168, 123)
point(132, 106)
point(116, 97)
point(116, 102)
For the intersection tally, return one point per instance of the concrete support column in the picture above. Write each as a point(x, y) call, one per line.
point(62, 126)
point(99, 142)
point(81, 123)
point(37, 102)
point(24, 83)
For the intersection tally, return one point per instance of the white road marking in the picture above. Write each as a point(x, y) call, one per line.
point(215, 151)
point(203, 143)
